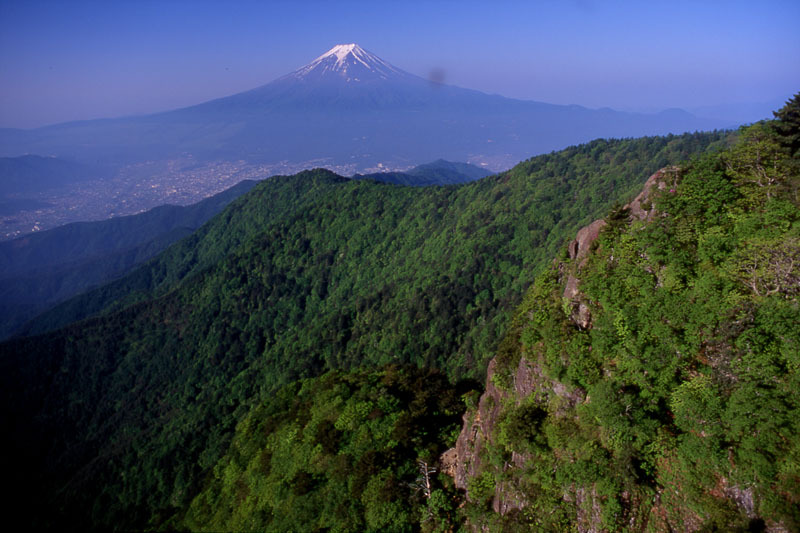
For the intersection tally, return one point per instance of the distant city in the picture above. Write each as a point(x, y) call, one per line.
point(142, 186)
point(133, 189)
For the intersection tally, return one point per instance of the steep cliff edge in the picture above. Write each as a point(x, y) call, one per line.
point(648, 382)
point(529, 383)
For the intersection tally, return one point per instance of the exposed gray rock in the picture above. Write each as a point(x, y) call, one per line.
point(641, 207)
point(579, 248)
point(477, 430)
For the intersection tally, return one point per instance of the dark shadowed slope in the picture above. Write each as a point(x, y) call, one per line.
point(42, 269)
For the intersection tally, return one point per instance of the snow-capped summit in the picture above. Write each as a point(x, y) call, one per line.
point(349, 62)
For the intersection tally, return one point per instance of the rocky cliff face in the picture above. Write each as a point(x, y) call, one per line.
point(639, 209)
point(525, 396)
point(478, 433)
point(528, 378)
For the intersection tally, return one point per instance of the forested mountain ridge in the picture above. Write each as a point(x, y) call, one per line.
point(40, 270)
point(649, 380)
point(588, 176)
point(120, 418)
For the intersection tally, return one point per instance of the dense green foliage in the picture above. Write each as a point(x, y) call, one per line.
point(343, 452)
point(302, 275)
point(538, 204)
point(787, 125)
point(42, 269)
point(689, 414)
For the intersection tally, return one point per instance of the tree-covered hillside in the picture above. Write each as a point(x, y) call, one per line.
point(350, 451)
point(119, 419)
point(650, 381)
point(40, 270)
point(540, 202)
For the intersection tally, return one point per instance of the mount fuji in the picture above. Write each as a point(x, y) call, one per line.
point(348, 107)
point(351, 63)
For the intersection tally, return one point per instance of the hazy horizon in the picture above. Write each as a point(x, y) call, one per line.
point(85, 60)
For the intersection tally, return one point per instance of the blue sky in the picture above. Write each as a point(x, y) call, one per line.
point(69, 60)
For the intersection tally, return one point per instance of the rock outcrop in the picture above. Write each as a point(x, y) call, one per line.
point(529, 384)
point(638, 209)
point(641, 207)
point(579, 253)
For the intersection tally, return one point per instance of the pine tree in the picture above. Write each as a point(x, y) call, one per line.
point(788, 124)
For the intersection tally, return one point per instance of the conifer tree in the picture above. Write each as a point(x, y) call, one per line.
point(788, 124)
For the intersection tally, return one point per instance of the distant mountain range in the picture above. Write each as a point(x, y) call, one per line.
point(347, 107)
point(439, 172)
